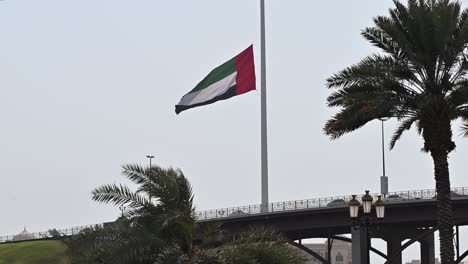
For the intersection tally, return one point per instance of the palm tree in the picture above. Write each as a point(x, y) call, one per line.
point(465, 129)
point(159, 226)
point(163, 202)
point(420, 78)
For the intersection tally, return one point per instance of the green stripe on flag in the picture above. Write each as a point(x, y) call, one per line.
point(216, 75)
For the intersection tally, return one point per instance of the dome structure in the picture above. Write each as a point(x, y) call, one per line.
point(24, 235)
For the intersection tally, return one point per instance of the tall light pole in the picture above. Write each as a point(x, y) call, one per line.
point(383, 178)
point(150, 157)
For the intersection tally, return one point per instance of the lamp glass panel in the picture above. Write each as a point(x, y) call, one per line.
point(380, 210)
point(354, 211)
point(367, 207)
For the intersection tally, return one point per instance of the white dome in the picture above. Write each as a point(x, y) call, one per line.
point(24, 235)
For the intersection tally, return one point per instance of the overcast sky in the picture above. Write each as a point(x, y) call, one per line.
point(87, 86)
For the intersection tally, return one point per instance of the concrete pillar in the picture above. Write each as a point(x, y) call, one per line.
point(427, 249)
point(360, 245)
point(393, 246)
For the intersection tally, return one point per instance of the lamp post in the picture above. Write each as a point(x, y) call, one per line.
point(150, 157)
point(383, 178)
point(366, 220)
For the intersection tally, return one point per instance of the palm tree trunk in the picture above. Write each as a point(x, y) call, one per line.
point(445, 218)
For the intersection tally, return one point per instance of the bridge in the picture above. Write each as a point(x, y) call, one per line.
point(410, 215)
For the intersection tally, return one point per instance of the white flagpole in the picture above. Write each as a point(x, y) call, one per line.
point(264, 142)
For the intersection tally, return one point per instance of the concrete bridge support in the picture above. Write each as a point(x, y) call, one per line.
point(427, 249)
point(393, 249)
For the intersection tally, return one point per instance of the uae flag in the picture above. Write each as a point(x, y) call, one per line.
point(235, 77)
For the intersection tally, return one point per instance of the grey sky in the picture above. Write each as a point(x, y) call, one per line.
point(89, 85)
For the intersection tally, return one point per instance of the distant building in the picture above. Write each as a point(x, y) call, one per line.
point(340, 253)
point(24, 235)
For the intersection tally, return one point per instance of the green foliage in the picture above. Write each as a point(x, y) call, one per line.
point(159, 226)
point(259, 246)
point(159, 212)
point(419, 78)
point(118, 242)
point(36, 252)
point(54, 233)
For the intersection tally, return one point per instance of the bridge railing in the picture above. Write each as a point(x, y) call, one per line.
point(257, 209)
point(329, 202)
point(46, 234)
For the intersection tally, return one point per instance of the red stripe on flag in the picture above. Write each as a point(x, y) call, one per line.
point(245, 80)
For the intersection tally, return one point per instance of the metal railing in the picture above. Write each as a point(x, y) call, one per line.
point(329, 202)
point(258, 209)
point(24, 236)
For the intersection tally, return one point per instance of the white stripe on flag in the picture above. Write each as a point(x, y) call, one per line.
point(209, 92)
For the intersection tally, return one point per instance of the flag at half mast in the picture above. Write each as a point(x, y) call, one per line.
point(234, 77)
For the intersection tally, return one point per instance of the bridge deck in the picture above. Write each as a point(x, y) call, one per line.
point(318, 203)
point(319, 217)
point(314, 223)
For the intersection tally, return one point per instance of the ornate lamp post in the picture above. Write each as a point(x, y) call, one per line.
point(366, 220)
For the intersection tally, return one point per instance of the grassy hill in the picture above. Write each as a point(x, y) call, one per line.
point(37, 252)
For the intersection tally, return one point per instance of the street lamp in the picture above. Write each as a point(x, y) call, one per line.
point(367, 200)
point(150, 157)
point(354, 208)
point(367, 203)
point(380, 208)
point(366, 220)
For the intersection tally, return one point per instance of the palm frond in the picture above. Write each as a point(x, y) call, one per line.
point(209, 235)
point(168, 187)
point(380, 39)
point(372, 70)
point(348, 120)
point(424, 44)
point(458, 97)
point(136, 173)
point(118, 242)
point(360, 108)
point(257, 234)
point(404, 126)
point(260, 246)
point(119, 195)
point(465, 129)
